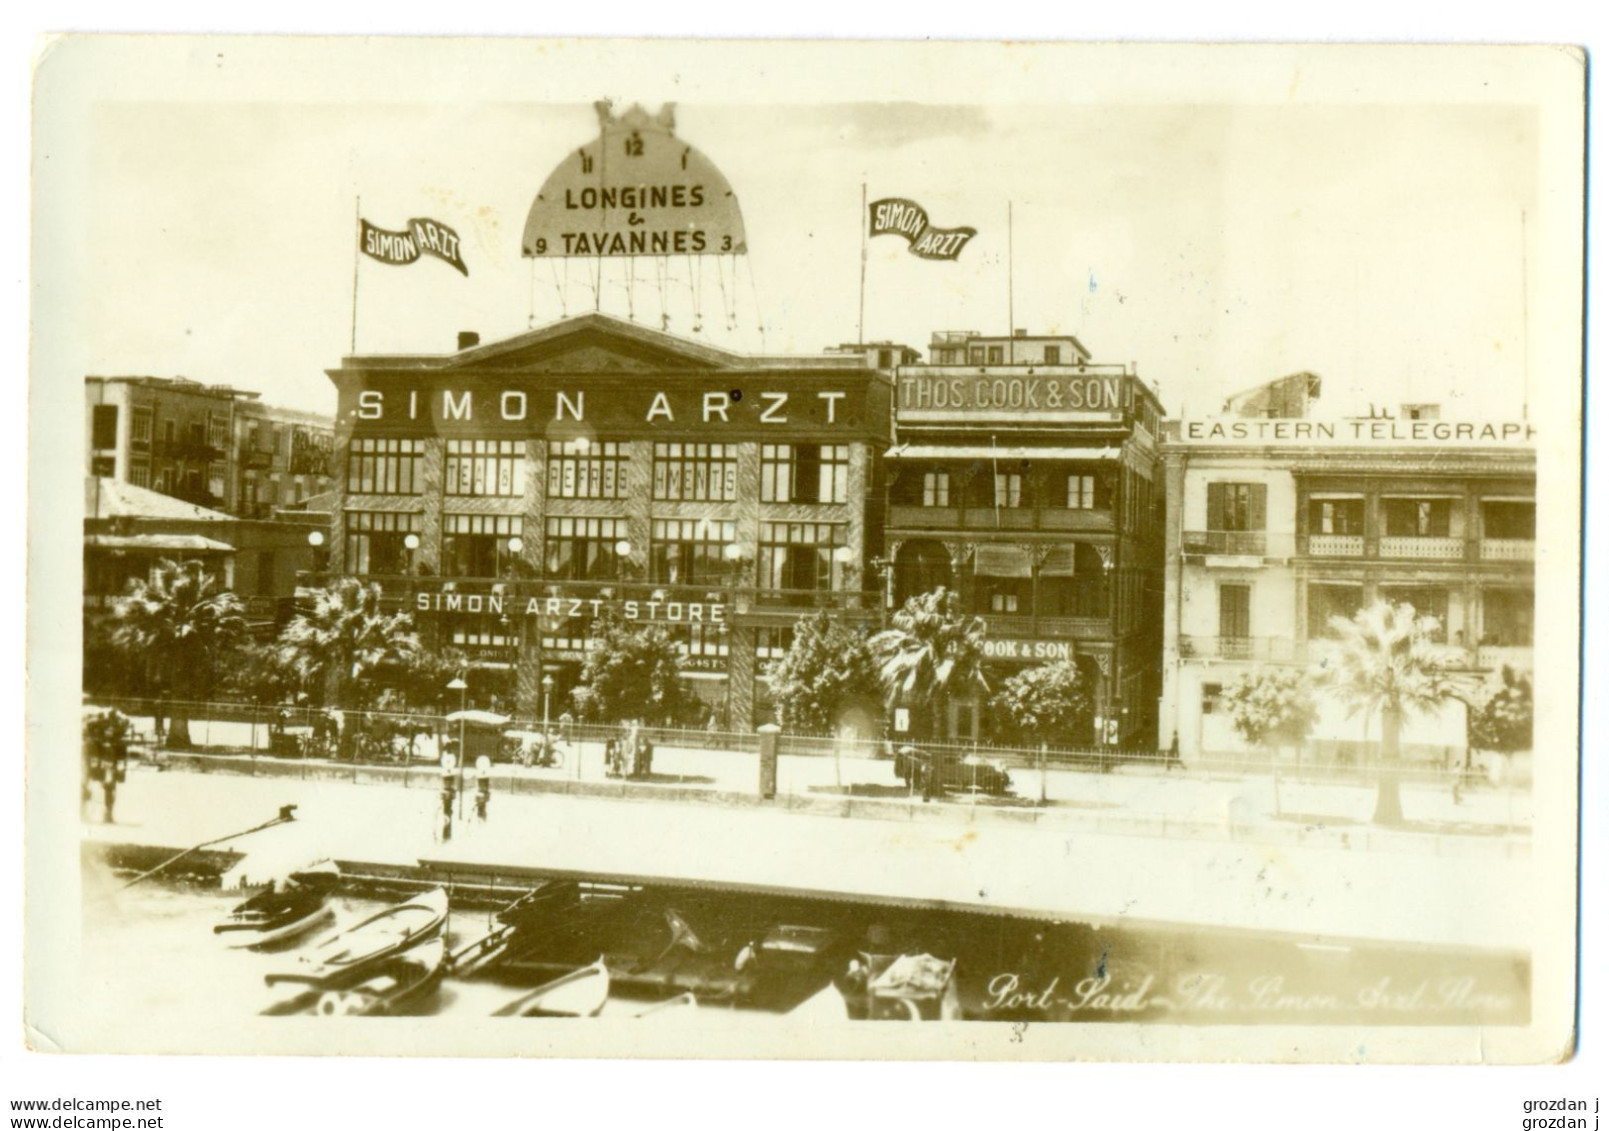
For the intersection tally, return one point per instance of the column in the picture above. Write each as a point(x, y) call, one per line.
point(432, 478)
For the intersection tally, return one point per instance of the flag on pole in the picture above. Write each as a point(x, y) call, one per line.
point(896, 216)
point(423, 237)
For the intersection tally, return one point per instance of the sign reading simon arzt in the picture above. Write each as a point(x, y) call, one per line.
point(636, 190)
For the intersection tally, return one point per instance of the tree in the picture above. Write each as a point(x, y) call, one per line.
point(345, 639)
point(932, 653)
point(1504, 721)
point(1044, 704)
point(1387, 663)
point(183, 626)
point(1270, 709)
point(827, 670)
point(631, 672)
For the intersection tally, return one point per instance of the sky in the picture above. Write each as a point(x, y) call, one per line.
point(1213, 246)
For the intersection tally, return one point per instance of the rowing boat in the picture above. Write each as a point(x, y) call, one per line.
point(580, 993)
point(282, 911)
point(395, 984)
point(350, 955)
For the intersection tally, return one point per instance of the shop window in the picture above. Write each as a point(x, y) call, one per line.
point(478, 545)
point(376, 543)
point(583, 549)
point(691, 551)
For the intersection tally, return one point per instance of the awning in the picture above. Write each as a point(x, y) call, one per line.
point(190, 543)
point(995, 560)
point(989, 452)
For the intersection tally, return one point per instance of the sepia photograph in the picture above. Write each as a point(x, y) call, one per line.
point(880, 551)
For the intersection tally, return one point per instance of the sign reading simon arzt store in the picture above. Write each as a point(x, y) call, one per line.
point(656, 611)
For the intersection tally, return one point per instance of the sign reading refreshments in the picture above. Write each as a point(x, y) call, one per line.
point(636, 190)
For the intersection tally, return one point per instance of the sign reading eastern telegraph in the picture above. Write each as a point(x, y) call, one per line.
point(1354, 432)
point(636, 190)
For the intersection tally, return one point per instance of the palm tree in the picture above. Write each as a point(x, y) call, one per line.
point(343, 638)
point(933, 652)
point(180, 623)
point(1387, 662)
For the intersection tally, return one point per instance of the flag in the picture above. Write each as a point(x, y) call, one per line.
point(896, 216)
point(423, 237)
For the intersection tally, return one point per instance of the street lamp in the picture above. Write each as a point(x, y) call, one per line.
point(462, 688)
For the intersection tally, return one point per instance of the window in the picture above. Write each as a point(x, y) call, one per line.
point(1509, 519)
point(594, 471)
point(1211, 698)
point(772, 643)
point(1052, 355)
point(1236, 506)
point(801, 555)
point(997, 355)
point(936, 489)
point(885, 359)
point(566, 635)
point(377, 543)
point(1337, 516)
point(1326, 601)
point(1003, 602)
point(1427, 601)
point(217, 431)
point(1008, 489)
point(139, 474)
point(477, 545)
point(486, 467)
point(103, 426)
point(1508, 617)
point(140, 427)
point(1080, 492)
point(384, 467)
point(977, 355)
point(700, 642)
point(691, 551)
point(482, 630)
point(695, 472)
point(804, 473)
point(1418, 518)
point(584, 548)
point(1234, 612)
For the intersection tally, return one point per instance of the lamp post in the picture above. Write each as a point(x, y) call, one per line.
point(462, 688)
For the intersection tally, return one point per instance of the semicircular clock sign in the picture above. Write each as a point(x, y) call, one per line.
point(636, 190)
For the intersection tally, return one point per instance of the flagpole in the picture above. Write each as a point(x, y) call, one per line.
point(865, 223)
point(357, 253)
point(1011, 296)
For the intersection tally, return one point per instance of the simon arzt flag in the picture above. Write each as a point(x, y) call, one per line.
point(896, 216)
point(423, 237)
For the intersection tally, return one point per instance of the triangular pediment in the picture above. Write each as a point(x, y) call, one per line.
point(593, 343)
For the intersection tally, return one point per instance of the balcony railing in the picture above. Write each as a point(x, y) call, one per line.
point(1335, 545)
point(1076, 628)
point(197, 451)
point(1006, 518)
point(1268, 649)
point(1508, 550)
point(1422, 549)
point(1239, 543)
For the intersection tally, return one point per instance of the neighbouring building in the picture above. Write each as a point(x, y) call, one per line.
point(1027, 477)
point(215, 446)
point(1279, 519)
point(509, 493)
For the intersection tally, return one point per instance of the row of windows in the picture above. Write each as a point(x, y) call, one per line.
point(1244, 507)
point(995, 355)
point(1077, 491)
point(1506, 615)
point(798, 473)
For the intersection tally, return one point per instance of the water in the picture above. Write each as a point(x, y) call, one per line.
point(1006, 968)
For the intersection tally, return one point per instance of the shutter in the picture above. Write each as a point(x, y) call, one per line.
point(1215, 506)
point(1259, 506)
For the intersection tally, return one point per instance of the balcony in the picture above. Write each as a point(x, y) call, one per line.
point(256, 459)
point(1335, 545)
point(1059, 519)
point(191, 451)
point(1508, 550)
point(1074, 628)
point(1495, 657)
point(1239, 543)
point(1266, 649)
point(1422, 549)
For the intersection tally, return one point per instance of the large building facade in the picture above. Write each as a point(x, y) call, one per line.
point(1027, 478)
point(1279, 520)
point(509, 494)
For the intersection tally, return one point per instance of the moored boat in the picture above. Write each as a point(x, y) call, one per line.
point(282, 911)
point(580, 993)
point(394, 985)
point(351, 955)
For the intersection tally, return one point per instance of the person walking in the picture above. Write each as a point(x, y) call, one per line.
point(483, 786)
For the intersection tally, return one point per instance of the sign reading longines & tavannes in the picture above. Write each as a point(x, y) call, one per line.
point(636, 190)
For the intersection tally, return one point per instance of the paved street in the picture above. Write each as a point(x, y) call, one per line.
point(1403, 888)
